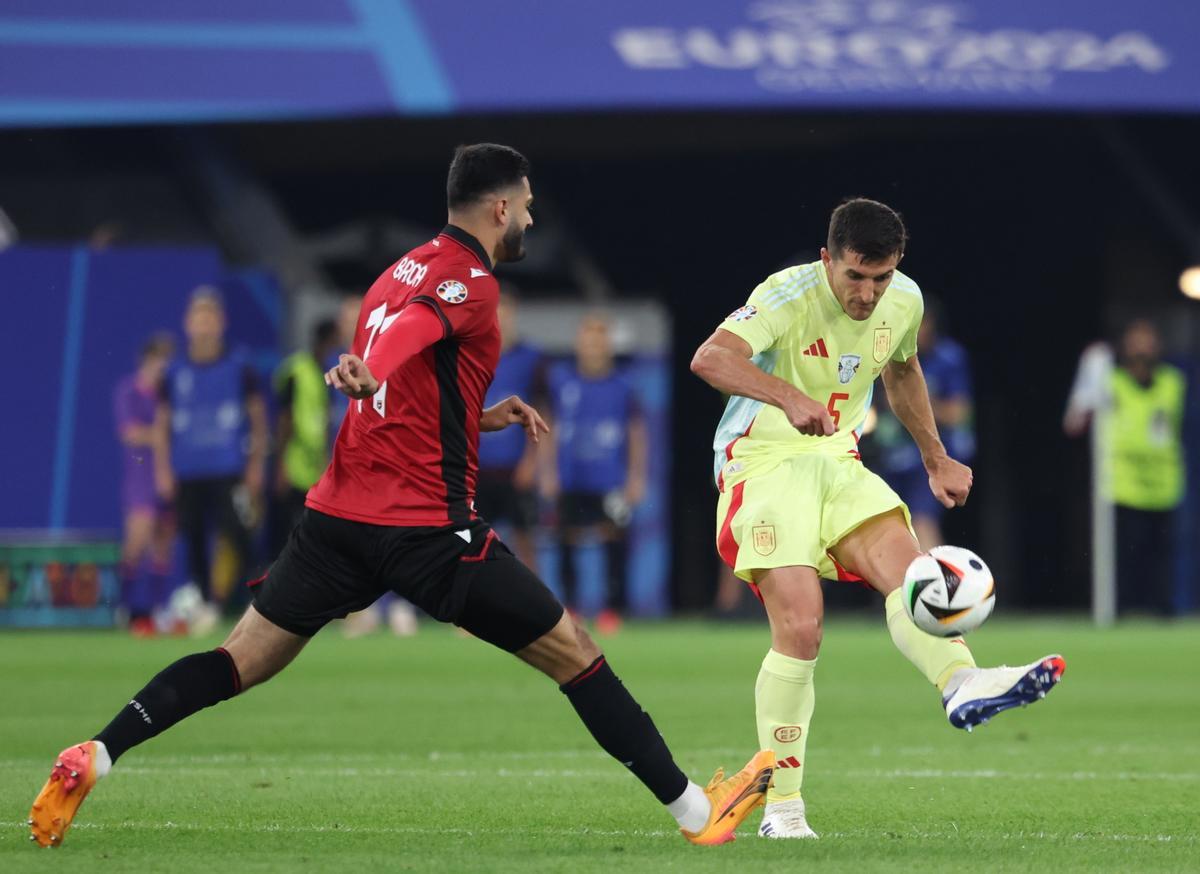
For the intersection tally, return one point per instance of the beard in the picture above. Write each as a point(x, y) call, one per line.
point(513, 243)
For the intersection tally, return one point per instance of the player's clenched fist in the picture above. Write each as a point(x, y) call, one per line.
point(352, 377)
point(807, 416)
point(950, 481)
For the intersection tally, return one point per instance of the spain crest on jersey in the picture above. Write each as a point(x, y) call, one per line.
point(764, 539)
point(883, 345)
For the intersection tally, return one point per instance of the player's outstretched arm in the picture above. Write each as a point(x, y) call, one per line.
point(407, 334)
point(908, 396)
point(514, 411)
point(723, 361)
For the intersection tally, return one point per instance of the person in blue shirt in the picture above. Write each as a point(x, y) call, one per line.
point(505, 492)
point(948, 375)
point(213, 419)
point(598, 473)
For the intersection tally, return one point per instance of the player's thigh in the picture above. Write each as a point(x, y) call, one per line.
point(322, 574)
point(879, 550)
point(165, 530)
point(507, 605)
point(795, 609)
point(261, 649)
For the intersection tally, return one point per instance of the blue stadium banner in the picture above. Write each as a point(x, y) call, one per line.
point(66, 62)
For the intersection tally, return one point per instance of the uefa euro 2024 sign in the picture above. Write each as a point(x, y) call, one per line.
point(888, 46)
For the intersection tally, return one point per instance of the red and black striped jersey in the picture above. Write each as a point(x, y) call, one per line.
point(409, 455)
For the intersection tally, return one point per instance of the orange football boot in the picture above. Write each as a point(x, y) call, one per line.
point(733, 799)
point(71, 779)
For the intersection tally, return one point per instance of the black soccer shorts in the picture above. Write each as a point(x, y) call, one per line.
point(332, 567)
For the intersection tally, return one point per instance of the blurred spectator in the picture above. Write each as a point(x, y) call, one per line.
point(302, 428)
point(948, 375)
point(149, 524)
point(506, 493)
point(1144, 441)
point(213, 418)
point(598, 473)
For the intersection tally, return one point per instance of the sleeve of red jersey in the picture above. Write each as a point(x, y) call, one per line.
point(466, 304)
point(413, 330)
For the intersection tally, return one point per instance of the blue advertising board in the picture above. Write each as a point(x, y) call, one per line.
point(66, 62)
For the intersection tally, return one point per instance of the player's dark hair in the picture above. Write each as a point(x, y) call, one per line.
point(325, 333)
point(872, 229)
point(159, 343)
point(482, 169)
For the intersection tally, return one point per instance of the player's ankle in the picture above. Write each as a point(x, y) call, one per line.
point(955, 680)
point(692, 809)
point(103, 761)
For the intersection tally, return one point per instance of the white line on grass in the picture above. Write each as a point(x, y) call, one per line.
point(871, 834)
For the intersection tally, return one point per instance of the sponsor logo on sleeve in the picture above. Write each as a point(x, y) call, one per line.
point(742, 314)
point(476, 273)
point(452, 291)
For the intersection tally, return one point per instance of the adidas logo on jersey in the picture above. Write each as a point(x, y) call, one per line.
point(818, 349)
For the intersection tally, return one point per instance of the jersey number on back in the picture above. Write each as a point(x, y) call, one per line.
point(378, 321)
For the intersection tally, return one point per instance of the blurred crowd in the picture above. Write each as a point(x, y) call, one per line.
point(219, 458)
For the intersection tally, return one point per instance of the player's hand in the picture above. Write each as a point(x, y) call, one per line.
point(514, 411)
point(807, 416)
point(950, 481)
point(352, 378)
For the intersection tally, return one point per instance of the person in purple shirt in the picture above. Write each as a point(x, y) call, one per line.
point(149, 526)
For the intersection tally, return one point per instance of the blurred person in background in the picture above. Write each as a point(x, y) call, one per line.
point(347, 324)
point(598, 471)
point(948, 376)
point(302, 428)
point(213, 417)
point(1144, 442)
point(149, 525)
point(506, 492)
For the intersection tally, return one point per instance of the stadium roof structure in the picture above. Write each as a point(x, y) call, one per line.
point(75, 62)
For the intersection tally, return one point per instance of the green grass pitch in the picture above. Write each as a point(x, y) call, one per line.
point(438, 754)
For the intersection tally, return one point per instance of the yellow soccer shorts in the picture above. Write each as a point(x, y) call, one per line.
point(796, 512)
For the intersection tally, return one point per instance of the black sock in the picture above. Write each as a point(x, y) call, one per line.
point(624, 730)
point(190, 684)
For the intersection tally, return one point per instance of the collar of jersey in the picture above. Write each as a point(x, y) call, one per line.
point(469, 242)
point(828, 298)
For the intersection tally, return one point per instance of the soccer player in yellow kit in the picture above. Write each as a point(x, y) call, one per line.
point(799, 362)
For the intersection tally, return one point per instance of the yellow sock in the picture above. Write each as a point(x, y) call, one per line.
point(783, 706)
point(935, 657)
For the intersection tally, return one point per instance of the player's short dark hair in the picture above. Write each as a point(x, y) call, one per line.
point(872, 229)
point(325, 332)
point(482, 169)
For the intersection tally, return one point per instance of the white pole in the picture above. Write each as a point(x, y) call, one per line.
point(1104, 519)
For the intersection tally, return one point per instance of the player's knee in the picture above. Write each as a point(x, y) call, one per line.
point(797, 634)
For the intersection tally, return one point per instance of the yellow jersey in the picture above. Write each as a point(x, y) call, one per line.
point(799, 332)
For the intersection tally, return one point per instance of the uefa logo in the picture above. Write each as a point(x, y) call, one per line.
point(452, 291)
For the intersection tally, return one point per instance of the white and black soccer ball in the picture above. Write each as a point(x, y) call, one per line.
point(948, 591)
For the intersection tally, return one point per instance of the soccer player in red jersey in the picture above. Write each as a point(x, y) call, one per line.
point(395, 511)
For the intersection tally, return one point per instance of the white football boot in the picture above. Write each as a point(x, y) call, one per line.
point(988, 691)
point(785, 819)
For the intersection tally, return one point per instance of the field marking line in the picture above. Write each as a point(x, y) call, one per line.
point(269, 828)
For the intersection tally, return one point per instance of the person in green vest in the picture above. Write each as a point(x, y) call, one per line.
point(302, 429)
point(1148, 479)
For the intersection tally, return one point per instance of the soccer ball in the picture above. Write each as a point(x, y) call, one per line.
point(948, 591)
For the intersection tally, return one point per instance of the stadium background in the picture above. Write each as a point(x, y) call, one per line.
point(682, 151)
point(1044, 156)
